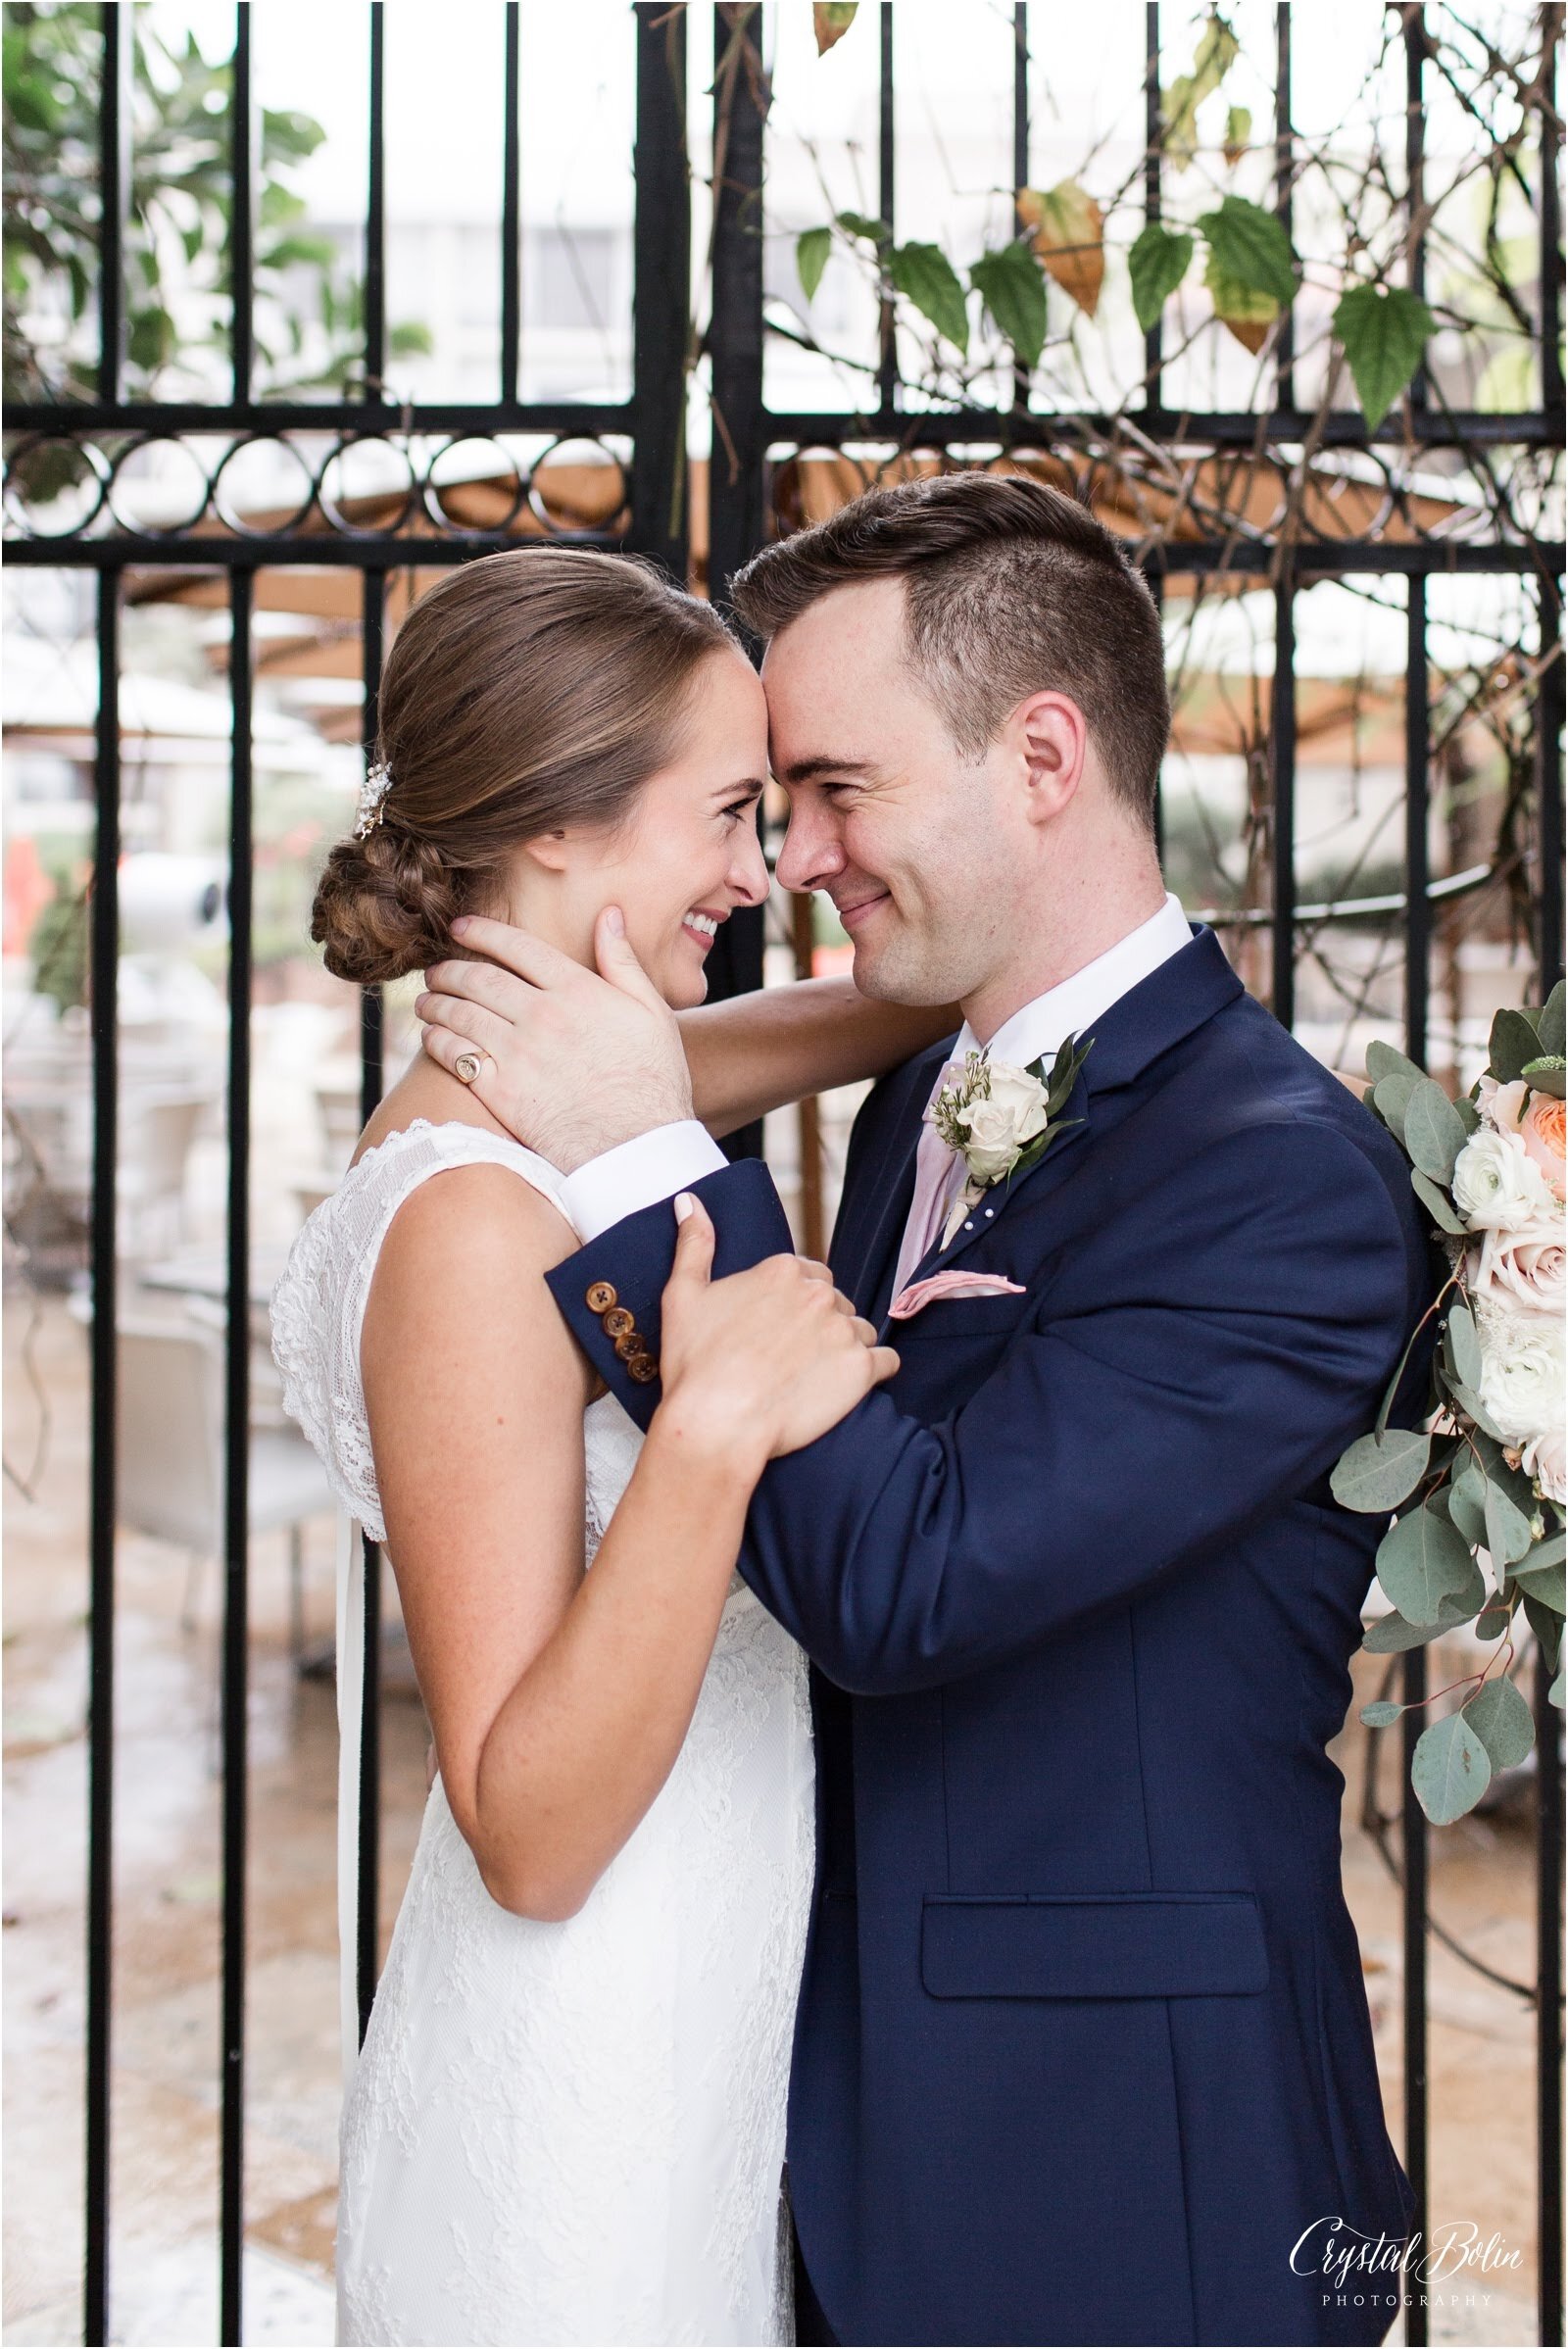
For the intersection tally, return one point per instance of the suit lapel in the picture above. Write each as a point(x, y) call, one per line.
point(1180, 996)
point(882, 1199)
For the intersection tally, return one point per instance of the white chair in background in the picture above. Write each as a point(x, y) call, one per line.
point(169, 1459)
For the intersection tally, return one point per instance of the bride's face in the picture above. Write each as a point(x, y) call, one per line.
point(688, 854)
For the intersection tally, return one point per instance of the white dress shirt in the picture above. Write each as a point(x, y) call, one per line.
point(1070, 1009)
point(654, 1166)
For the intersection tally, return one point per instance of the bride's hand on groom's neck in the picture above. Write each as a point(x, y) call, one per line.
point(576, 1061)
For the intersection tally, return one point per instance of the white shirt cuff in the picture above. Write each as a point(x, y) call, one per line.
point(638, 1174)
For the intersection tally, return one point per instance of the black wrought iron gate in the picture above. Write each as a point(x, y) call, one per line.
point(749, 446)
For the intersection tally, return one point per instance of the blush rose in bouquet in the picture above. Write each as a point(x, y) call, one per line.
point(1479, 1495)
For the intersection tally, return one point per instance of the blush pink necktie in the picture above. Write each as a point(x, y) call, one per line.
point(937, 1168)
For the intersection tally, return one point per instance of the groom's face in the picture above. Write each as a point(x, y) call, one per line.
point(920, 849)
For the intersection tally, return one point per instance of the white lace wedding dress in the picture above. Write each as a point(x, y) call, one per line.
point(569, 2133)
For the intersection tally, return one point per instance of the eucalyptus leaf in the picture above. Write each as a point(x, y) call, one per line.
point(1381, 1714)
point(1391, 1635)
point(1391, 1098)
point(1467, 1506)
point(1546, 1627)
point(1464, 1339)
point(1547, 1076)
point(1547, 1551)
point(1500, 1719)
point(1378, 1472)
point(1500, 1470)
point(1467, 1113)
point(1514, 1040)
point(1469, 1402)
point(1382, 1060)
point(1451, 1770)
point(1433, 1134)
point(1421, 1561)
point(1550, 1025)
point(1507, 1531)
point(1438, 1204)
point(1554, 1691)
point(1543, 1584)
point(1492, 1620)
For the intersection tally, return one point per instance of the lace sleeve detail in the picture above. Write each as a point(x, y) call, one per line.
point(318, 1303)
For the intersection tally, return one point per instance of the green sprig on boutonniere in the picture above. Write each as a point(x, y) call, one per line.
point(1002, 1119)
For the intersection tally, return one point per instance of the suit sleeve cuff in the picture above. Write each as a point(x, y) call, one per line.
point(638, 1174)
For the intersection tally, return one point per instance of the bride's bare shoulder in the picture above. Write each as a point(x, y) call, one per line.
point(458, 1287)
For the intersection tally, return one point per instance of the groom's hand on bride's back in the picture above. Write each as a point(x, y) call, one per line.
point(763, 1361)
point(576, 1063)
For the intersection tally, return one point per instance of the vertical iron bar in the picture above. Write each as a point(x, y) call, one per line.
point(1417, 872)
point(375, 215)
point(1154, 130)
point(236, 1459)
point(1415, 51)
point(1156, 580)
point(1020, 154)
point(1281, 744)
point(1414, 1668)
point(116, 132)
point(886, 187)
point(368, 1911)
point(1551, 385)
point(242, 213)
point(1548, 2002)
point(1550, 717)
point(737, 522)
point(511, 211)
point(1413, 1845)
point(1284, 180)
point(104, 950)
point(662, 248)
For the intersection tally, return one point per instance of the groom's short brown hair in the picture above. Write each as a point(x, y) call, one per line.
point(1011, 588)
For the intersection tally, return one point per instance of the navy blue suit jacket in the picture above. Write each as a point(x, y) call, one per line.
point(1083, 2047)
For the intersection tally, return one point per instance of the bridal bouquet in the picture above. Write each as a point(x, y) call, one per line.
point(1478, 1495)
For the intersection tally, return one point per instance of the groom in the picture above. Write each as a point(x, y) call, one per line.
point(1083, 2053)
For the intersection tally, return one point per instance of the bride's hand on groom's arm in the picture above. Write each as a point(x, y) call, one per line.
point(763, 1362)
point(576, 1063)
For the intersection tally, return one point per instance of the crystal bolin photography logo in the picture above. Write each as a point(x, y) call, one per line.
point(1363, 2270)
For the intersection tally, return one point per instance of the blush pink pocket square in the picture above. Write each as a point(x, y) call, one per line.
point(920, 1294)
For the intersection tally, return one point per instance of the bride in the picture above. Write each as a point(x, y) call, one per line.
point(566, 2122)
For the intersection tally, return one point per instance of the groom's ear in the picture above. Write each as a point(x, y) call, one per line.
point(1052, 739)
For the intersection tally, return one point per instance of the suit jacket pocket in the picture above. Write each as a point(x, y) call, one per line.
point(1094, 1946)
point(961, 1316)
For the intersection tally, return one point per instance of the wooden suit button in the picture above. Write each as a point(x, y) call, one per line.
point(629, 1345)
point(642, 1367)
point(601, 1296)
point(618, 1323)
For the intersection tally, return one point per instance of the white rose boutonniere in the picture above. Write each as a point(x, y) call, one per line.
point(1002, 1119)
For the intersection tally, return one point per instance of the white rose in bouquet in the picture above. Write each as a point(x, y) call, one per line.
point(1522, 1367)
point(1498, 1186)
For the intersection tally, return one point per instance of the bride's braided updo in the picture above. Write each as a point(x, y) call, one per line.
point(528, 691)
